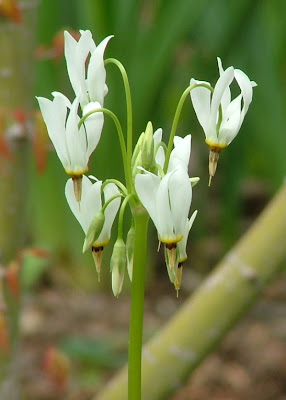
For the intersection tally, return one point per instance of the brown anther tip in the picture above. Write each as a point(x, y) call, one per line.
point(77, 185)
point(213, 160)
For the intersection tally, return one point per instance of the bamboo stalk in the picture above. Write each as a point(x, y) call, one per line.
point(221, 301)
point(16, 103)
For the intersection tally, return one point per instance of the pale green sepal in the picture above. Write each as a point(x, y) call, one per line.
point(94, 231)
point(147, 152)
point(118, 265)
point(194, 180)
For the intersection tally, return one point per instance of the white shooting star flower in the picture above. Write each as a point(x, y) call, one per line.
point(89, 208)
point(168, 199)
point(73, 145)
point(219, 116)
point(87, 79)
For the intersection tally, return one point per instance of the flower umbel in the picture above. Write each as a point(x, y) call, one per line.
point(219, 116)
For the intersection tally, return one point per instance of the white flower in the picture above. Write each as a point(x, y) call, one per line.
point(219, 116)
point(91, 205)
point(88, 83)
point(180, 155)
point(73, 145)
point(167, 201)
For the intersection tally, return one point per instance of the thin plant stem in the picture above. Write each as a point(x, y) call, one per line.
point(137, 304)
point(177, 116)
point(128, 104)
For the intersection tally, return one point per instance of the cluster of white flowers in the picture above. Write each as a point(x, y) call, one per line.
point(165, 191)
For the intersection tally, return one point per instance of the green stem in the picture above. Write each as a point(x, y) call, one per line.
point(116, 121)
point(177, 116)
point(129, 130)
point(137, 304)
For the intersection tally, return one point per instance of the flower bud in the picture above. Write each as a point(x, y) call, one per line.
point(130, 242)
point(118, 264)
point(147, 152)
point(93, 231)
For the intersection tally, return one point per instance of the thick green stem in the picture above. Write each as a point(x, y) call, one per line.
point(137, 304)
point(221, 301)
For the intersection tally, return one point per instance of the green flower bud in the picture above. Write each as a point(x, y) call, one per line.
point(118, 264)
point(130, 242)
point(93, 231)
point(147, 152)
point(137, 149)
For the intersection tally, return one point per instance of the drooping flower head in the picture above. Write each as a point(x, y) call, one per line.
point(89, 208)
point(72, 143)
point(168, 199)
point(219, 115)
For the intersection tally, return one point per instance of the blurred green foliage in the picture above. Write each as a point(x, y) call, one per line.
point(162, 45)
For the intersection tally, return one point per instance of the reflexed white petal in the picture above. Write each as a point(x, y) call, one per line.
point(91, 202)
point(201, 99)
point(160, 157)
point(222, 84)
point(159, 151)
point(146, 186)
point(88, 45)
point(231, 122)
point(157, 136)
point(76, 54)
point(246, 89)
point(96, 73)
point(76, 141)
point(182, 253)
point(64, 98)
point(93, 125)
point(78, 210)
point(164, 218)
point(180, 155)
point(111, 210)
point(54, 114)
point(226, 97)
point(180, 195)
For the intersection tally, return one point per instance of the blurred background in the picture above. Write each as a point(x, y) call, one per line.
point(162, 44)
